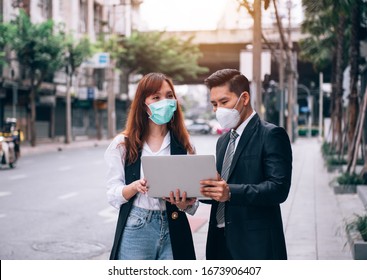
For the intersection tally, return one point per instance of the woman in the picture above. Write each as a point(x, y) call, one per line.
point(149, 228)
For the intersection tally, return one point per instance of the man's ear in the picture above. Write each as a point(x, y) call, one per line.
point(245, 98)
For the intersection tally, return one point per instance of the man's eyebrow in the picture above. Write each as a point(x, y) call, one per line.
point(223, 99)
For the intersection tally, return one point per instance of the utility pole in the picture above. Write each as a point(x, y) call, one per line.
point(111, 102)
point(256, 57)
point(281, 85)
point(321, 107)
point(290, 78)
point(68, 125)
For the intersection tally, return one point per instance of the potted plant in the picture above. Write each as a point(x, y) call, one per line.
point(346, 183)
point(357, 236)
point(334, 163)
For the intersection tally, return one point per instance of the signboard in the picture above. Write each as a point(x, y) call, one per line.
point(90, 93)
point(99, 60)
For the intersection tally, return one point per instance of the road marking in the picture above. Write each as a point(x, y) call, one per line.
point(5, 193)
point(17, 177)
point(68, 195)
point(65, 168)
point(109, 214)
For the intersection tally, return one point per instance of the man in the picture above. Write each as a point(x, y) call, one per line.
point(254, 160)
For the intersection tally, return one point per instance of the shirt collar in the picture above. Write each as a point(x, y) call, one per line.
point(243, 125)
point(166, 142)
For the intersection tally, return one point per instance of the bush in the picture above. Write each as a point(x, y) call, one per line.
point(350, 179)
point(327, 150)
point(335, 161)
point(359, 223)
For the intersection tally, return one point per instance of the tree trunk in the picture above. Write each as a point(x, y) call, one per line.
point(68, 111)
point(33, 116)
point(332, 101)
point(359, 135)
point(97, 113)
point(354, 73)
point(339, 82)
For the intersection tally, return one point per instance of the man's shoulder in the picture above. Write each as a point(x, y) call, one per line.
point(269, 127)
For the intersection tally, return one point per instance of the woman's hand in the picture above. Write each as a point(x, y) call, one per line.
point(132, 189)
point(181, 202)
point(140, 186)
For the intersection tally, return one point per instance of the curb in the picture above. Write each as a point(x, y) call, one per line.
point(56, 146)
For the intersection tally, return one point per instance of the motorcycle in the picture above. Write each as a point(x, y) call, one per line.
point(9, 144)
point(7, 152)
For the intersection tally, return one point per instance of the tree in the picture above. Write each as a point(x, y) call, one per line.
point(76, 53)
point(143, 53)
point(39, 51)
point(6, 33)
point(335, 39)
point(113, 46)
point(325, 23)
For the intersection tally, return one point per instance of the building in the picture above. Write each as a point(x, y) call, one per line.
point(89, 90)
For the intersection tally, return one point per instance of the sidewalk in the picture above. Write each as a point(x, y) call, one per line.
point(45, 146)
point(313, 215)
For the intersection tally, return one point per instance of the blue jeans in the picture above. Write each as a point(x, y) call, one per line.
point(146, 236)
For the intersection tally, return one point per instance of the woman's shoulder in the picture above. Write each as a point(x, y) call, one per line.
point(117, 142)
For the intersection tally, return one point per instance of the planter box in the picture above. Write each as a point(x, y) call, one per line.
point(362, 193)
point(340, 189)
point(357, 245)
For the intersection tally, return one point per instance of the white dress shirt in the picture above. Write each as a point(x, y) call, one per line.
point(242, 127)
point(115, 159)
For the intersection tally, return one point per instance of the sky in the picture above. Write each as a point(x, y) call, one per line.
point(188, 15)
point(181, 14)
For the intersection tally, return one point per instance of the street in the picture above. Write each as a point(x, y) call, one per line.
point(53, 205)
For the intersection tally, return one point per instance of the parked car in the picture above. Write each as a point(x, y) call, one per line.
point(199, 127)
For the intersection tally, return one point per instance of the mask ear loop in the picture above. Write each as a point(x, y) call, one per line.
point(239, 98)
point(148, 110)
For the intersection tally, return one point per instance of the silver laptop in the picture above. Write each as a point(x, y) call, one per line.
point(167, 173)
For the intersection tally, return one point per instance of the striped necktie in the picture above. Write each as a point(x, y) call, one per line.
point(225, 171)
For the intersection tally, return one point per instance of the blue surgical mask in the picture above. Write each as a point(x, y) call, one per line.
point(162, 111)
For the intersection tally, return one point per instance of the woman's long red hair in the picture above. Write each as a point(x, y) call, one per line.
point(136, 130)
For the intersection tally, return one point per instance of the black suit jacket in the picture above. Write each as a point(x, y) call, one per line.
point(259, 180)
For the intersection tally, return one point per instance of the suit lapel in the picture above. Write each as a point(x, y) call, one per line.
point(221, 152)
point(245, 137)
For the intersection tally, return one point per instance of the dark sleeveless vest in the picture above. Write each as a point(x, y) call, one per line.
point(179, 228)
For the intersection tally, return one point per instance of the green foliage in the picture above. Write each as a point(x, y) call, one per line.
point(350, 179)
point(303, 131)
point(39, 50)
point(359, 223)
point(320, 23)
point(77, 52)
point(335, 161)
point(142, 53)
point(113, 45)
point(327, 149)
point(6, 33)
